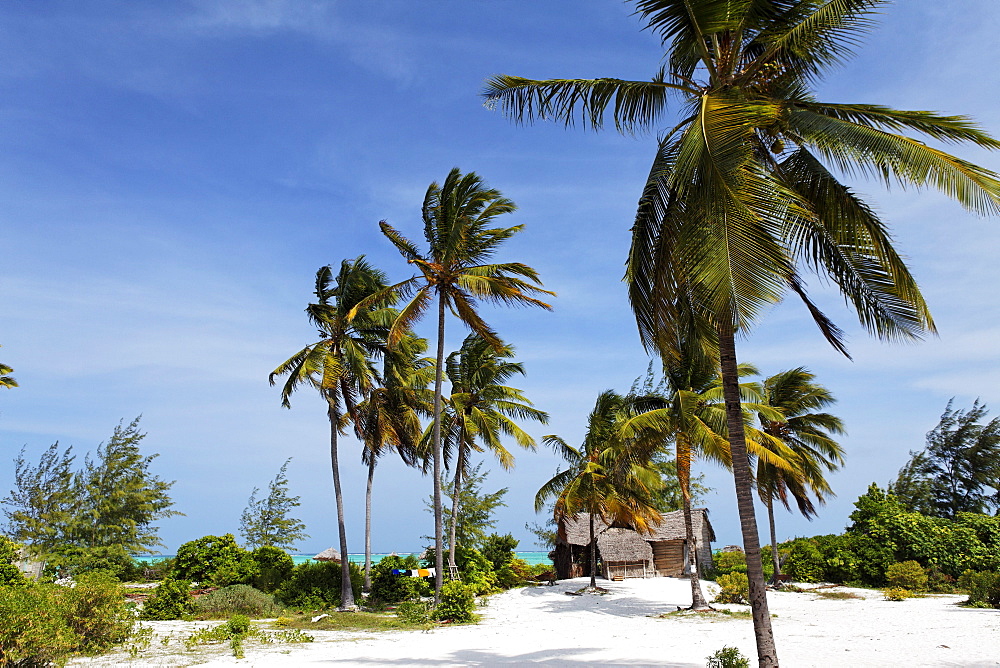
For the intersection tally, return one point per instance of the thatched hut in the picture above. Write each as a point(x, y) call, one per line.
point(329, 554)
point(624, 552)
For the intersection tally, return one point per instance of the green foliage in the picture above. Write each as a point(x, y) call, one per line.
point(94, 517)
point(907, 575)
point(274, 566)
point(499, 550)
point(237, 630)
point(214, 560)
point(805, 562)
point(476, 507)
point(172, 599)
point(389, 588)
point(735, 588)
point(897, 594)
point(415, 612)
point(316, 586)
point(728, 657)
point(983, 588)
point(958, 469)
point(458, 601)
point(725, 563)
point(10, 574)
point(668, 497)
point(266, 522)
point(235, 599)
point(44, 624)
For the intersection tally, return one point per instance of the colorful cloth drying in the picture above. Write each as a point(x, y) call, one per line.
point(415, 573)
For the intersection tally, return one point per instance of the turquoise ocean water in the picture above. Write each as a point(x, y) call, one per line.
point(530, 557)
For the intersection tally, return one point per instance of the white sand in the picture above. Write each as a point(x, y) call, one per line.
point(544, 625)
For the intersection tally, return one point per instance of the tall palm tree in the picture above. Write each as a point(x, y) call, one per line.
point(691, 416)
point(456, 271)
point(741, 192)
point(389, 417)
point(809, 435)
point(339, 365)
point(481, 409)
point(604, 478)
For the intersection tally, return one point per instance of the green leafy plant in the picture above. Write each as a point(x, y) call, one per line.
point(728, 657)
point(10, 575)
point(214, 560)
point(388, 588)
point(735, 588)
point(907, 575)
point(235, 599)
point(274, 566)
point(458, 601)
point(724, 563)
point(316, 586)
point(897, 594)
point(414, 612)
point(172, 599)
point(983, 588)
point(239, 629)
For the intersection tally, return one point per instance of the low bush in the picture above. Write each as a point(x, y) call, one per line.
point(897, 594)
point(414, 612)
point(316, 586)
point(735, 588)
point(43, 624)
point(725, 563)
point(274, 566)
point(983, 588)
point(216, 560)
point(906, 575)
point(805, 562)
point(728, 657)
point(236, 600)
point(171, 600)
point(10, 575)
point(458, 600)
point(388, 588)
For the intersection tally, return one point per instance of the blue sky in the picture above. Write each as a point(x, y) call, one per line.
point(174, 173)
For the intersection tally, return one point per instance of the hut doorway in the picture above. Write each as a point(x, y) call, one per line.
point(668, 558)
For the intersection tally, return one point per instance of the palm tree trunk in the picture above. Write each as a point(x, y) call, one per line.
point(346, 592)
point(454, 512)
point(766, 653)
point(774, 541)
point(698, 601)
point(368, 524)
point(438, 514)
point(593, 554)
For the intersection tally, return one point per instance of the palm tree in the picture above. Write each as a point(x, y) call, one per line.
point(809, 435)
point(691, 415)
point(740, 196)
point(455, 270)
point(604, 478)
point(5, 380)
point(339, 365)
point(389, 417)
point(481, 409)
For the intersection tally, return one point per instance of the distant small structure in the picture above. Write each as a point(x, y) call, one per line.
point(329, 554)
point(625, 553)
point(28, 565)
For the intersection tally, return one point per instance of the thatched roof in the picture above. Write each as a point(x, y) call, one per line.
point(329, 554)
point(576, 530)
point(623, 545)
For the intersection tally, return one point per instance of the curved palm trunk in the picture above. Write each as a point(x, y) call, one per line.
point(438, 515)
point(455, 503)
point(346, 592)
point(368, 525)
point(593, 554)
point(774, 541)
point(766, 654)
point(698, 601)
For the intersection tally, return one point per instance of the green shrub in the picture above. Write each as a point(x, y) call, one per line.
point(171, 600)
point(728, 657)
point(735, 588)
point(897, 594)
point(10, 574)
point(274, 566)
point(499, 550)
point(414, 612)
point(458, 601)
point(233, 600)
point(725, 563)
point(214, 560)
point(316, 585)
point(805, 562)
point(43, 624)
point(389, 588)
point(907, 575)
point(983, 588)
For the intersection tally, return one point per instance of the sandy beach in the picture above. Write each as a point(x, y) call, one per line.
point(544, 625)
